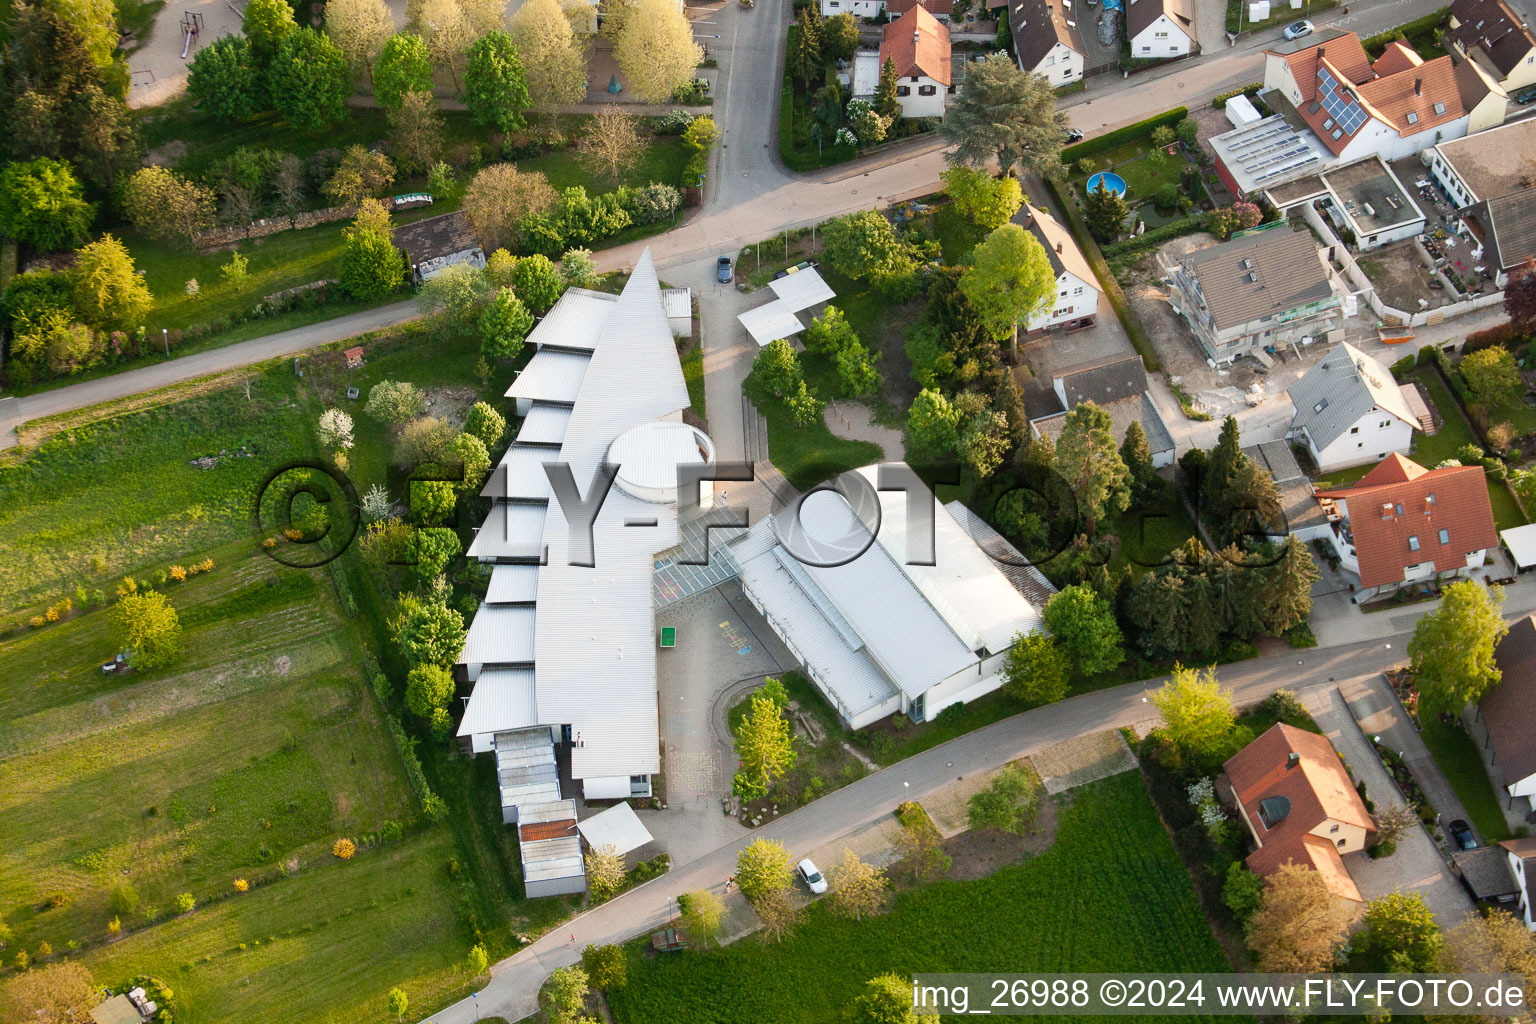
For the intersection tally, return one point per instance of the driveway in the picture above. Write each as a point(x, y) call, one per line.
point(1417, 866)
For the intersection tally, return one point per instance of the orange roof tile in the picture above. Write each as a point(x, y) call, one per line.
point(919, 45)
point(1417, 98)
point(1398, 510)
point(1316, 789)
point(1398, 56)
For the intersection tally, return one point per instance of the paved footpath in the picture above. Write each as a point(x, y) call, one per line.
point(512, 992)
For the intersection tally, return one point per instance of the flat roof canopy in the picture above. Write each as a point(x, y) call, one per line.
point(619, 827)
point(801, 289)
point(770, 322)
point(1521, 542)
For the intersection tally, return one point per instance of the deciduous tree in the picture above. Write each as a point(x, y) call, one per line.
point(427, 688)
point(607, 967)
point(266, 24)
point(500, 196)
point(656, 50)
point(1006, 114)
point(578, 268)
point(486, 423)
point(605, 871)
point(309, 82)
point(1520, 296)
point(371, 266)
point(565, 995)
point(1083, 624)
point(1401, 934)
point(1299, 923)
point(537, 282)
point(1009, 803)
point(42, 205)
point(702, 912)
point(429, 632)
point(611, 141)
point(554, 57)
point(1197, 713)
point(864, 245)
point(359, 28)
point(445, 29)
point(1088, 461)
point(856, 889)
point(1009, 281)
point(395, 402)
point(887, 999)
point(504, 325)
point(416, 131)
point(108, 291)
point(404, 66)
point(1495, 943)
point(1492, 375)
point(495, 90)
point(765, 748)
point(932, 428)
point(147, 624)
point(1036, 670)
point(361, 174)
point(1452, 647)
point(986, 201)
point(762, 869)
point(225, 80)
point(454, 298)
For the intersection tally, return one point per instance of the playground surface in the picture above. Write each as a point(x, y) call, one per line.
point(158, 69)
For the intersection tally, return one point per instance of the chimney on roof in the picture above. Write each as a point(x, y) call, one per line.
point(1418, 86)
point(1058, 247)
point(1292, 760)
point(1319, 53)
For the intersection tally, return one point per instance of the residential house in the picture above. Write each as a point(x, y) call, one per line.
point(1492, 179)
point(1509, 709)
point(1260, 289)
point(432, 244)
point(1392, 107)
point(1160, 28)
point(1350, 411)
point(1402, 524)
point(1118, 385)
point(1491, 35)
point(1292, 791)
point(1369, 205)
point(1076, 303)
point(1484, 99)
point(1046, 39)
point(857, 8)
point(943, 10)
point(918, 44)
point(862, 653)
point(1303, 517)
point(562, 652)
point(1522, 863)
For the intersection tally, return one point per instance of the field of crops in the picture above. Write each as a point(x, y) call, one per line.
point(1110, 895)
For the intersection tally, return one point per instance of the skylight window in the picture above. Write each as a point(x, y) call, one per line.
point(1413, 543)
point(1439, 108)
point(1445, 536)
point(1413, 117)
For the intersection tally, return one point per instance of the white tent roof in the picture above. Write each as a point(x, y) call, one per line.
point(513, 584)
point(619, 827)
point(575, 320)
point(510, 531)
point(502, 700)
point(1521, 542)
point(802, 289)
point(525, 478)
point(551, 377)
point(544, 424)
point(500, 635)
point(770, 322)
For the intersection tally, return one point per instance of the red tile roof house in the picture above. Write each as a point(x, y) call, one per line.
point(1509, 710)
point(1402, 524)
point(1393, 107)
point(1297, 800)
point(918, 44)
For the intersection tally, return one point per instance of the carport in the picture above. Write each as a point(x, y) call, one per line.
point(770, 322)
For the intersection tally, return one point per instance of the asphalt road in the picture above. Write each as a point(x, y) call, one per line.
point(513, 989)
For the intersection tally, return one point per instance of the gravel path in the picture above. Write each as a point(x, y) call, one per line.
point(855, 422)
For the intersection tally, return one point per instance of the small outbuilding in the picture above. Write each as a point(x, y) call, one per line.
point(770, 322)
point(678, 302)
point(802, 287)
point(1485, 874)
point(619, 827)
point(1520, 542)
point(550, 848)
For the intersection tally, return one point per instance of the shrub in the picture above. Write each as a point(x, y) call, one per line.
point(185, 903)
point(343, 849)
point(241, 885)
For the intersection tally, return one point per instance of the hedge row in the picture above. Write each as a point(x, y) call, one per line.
point(1148, 239)
point(1109, 140)
point(1220, 101)
point(1374, 45)
point(1506, 334)
point(1128, 318)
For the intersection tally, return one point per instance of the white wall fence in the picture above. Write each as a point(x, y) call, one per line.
point(1366, 291)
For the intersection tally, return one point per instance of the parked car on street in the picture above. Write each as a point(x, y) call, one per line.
point(1299, 29)
point(811, 877)
point(1461, 835)
point(1526, 95)
point(1071, 135)
point(724, 272)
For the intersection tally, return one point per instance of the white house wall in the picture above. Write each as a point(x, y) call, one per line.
point(1162, 38)
point(1524, 787)
point(1074, 299)
point(1517, 868)
point(1377, 138)
point(914, 103)
point(1372, 443)
point(857, 8)
point(1062, 66)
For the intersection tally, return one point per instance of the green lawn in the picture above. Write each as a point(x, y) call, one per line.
point(1149, 535)
point(1457, 756)
point(693, 376)
point(956, 233)
point(1142, 179)
point(1111, 894)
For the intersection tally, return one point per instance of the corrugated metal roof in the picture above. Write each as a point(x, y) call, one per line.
point(552, 376)
point(552, 858)
point(513, 584)
point(848, 674)
point(1025, 577)
point(526, 758)
point(521, 795)
point(595, 648)
point(802, 289)
point(510, 531)
point(553, 810)
point(1346, 385)
point(963, 584)
point(500, 635)
point(910, 641)
point(678, 302)
point(544, 424)
point(525, 479)
point(575, 321)
point(502, 699)
point(619, 827)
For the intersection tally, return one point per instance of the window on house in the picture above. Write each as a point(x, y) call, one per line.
point(1078, 290)
point(903, 90)
point(1146, 49)
point(1399, 508)
point(1050, 60)
point(1067, 73)
point(1337, 132)
point(927, 90)
point(1385, 424)
point(1327, 124)
point(1340, 843)
point(1413, 118)
point(1160, 35)
point(1413, 543)
point(1320, 406)
point(1334, 829)
point(1354, 430)
point(916, 77)
point(1445, 536)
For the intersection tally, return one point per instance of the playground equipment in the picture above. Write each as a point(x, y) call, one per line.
point(191, 28)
